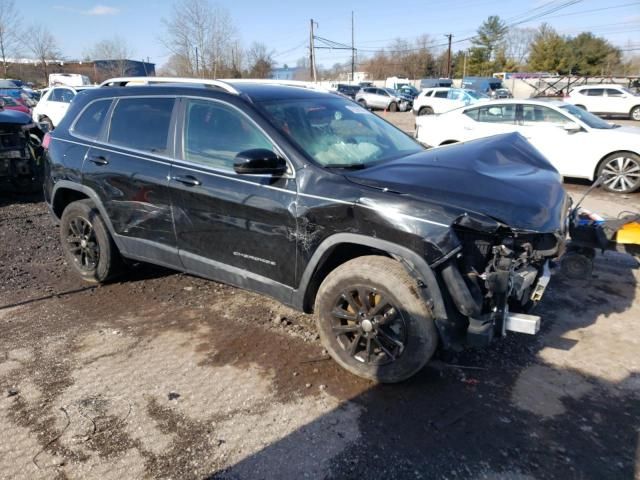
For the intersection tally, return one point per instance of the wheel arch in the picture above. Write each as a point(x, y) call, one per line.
point(342, 247)
point(604, 157)
point(66, 192)
point(449, 142)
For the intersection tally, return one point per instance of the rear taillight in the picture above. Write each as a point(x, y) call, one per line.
point(46, 141)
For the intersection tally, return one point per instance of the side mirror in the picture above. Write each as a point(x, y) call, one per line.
point(259, 161)
point(572, 127)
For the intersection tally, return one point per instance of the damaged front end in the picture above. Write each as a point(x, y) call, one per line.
point(495, 277)
point(21, 165)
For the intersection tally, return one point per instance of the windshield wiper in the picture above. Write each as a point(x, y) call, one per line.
point(348, 166)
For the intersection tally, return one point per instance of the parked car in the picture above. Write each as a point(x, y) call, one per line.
point(577, 143)
point(440, 100)
point(20, 153)
point(382, 99)
point(304, 196)
point(68, 79)
point(10, 103)
point(490, 86)
point(348, 90)
point(408, 91)
point(53, 105)
point(606, 99)
point(435, 82)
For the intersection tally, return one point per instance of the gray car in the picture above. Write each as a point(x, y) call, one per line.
point(383, 99)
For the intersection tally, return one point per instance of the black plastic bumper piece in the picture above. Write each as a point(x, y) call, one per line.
point(480, 332)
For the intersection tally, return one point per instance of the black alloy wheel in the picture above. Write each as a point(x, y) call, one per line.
point(82, 244)
point(368, 326)
point(87, 244)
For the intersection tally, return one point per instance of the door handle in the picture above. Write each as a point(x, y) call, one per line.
point(188, 180)
point(98, 160)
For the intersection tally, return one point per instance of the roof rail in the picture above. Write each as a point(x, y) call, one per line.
point(124, 81)
point(269, 81)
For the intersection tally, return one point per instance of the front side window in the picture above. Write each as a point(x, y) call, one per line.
point(141, 123)
point(536, 114)
point(612, 92)
point(215, 133)
point(90, 121)
point(336, 133)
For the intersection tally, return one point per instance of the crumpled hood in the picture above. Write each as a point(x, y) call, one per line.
point(503, 177)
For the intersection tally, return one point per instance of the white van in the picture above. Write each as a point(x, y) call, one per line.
point(68, 79)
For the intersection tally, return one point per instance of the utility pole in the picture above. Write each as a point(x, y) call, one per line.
point(464, 65)
point(312, 54)
point(449, 36)
point(353, 52)
point(197, 74)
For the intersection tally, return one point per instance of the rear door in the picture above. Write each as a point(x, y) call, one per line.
point(128, 167)
point(596, 101)
point(230, 227)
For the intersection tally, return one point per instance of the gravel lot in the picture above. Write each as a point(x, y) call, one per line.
point(163, 375)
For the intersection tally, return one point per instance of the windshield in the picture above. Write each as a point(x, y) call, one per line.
point(338, 133)
point(626, 90)
point(589, 118)
point(476, 95)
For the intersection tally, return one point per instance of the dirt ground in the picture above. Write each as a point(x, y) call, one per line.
point(164, 375)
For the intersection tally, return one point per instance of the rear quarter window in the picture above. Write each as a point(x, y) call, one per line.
point(90, 121)
point(141, 123)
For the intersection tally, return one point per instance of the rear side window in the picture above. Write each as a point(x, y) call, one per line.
point(63, 95)
point(595, 92)
point(90, 121)
point(141, 123)
point(496, 114)
point(441, 94)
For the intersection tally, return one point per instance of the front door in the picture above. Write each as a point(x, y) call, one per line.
point(231, 227)
point(544, 128)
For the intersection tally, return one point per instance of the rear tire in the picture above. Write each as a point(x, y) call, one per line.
point(425, 111)
point(372, 320)
point(634, 114)
point(582, 107)
point(621, 171)
point(87, 244)
point(363, 103)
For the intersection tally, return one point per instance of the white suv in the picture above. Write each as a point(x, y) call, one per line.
point(606, 99)
point(53, 104)
point(443, 99)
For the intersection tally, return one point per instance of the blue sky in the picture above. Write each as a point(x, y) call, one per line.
point(284, 27)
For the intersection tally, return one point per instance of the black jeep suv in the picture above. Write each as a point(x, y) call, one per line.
point(313, 200)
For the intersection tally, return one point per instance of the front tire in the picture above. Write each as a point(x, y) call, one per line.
point(393, 107)
point(372, 320)
point(87, 244)
point(426, 111)
point(621, 172)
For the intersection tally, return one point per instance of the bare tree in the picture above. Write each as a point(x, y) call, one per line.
point(517, 44)
point(116, 52)
point(203, 36)
point(260, 60)
point(9, 28)
point(43, 47)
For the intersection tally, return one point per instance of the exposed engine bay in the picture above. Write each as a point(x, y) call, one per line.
point(21, 163)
